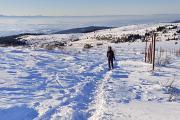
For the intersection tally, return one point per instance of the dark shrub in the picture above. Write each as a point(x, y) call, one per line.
point(161, 28)
point(88, 46)
point(132, 38)
point(99, 44)
point(178, 31)
point(174, 27)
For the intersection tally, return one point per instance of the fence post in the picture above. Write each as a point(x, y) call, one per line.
point(146, 49)
point(154, 50)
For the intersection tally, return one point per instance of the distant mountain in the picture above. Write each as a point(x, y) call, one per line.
point(22, 16)
point(14, 40)
point(177, 21)
point(82, 30)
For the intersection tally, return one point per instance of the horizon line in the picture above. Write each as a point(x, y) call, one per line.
point(2, 15)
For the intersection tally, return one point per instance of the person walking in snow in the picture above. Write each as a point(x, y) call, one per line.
point(111, 57)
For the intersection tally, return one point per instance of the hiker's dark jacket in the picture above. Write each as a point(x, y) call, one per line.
point(110, 55)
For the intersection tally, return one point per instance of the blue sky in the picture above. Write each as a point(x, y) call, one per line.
point(88, 7)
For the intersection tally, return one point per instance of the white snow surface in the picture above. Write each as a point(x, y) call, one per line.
point(75, 83)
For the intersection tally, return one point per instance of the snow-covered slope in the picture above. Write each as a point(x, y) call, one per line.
point(122, 34)
point(73, 83)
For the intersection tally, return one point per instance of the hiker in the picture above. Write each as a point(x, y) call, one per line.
point(111, 57)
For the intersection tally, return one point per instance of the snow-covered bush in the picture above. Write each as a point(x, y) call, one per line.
point(163, 61)
point(171, 89)
point(178, 52)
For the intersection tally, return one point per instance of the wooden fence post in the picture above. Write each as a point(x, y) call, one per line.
point(146, 49)
point(154, 50)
